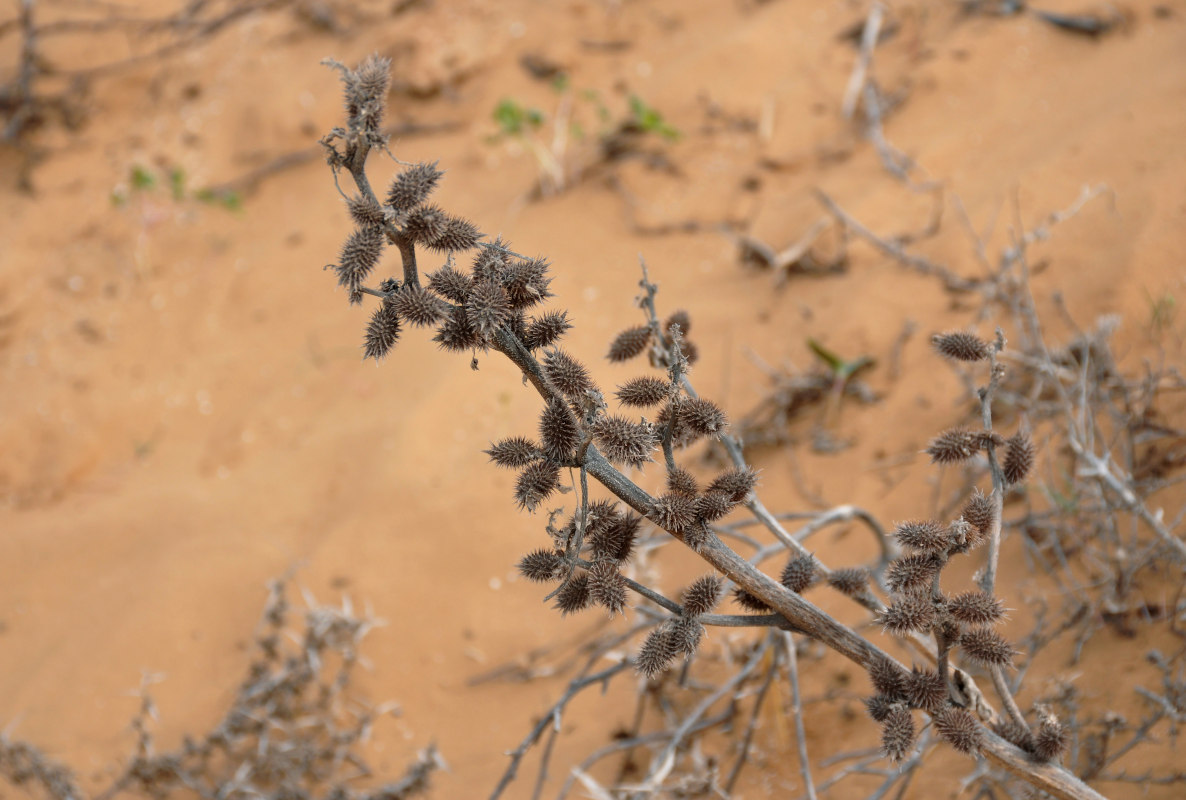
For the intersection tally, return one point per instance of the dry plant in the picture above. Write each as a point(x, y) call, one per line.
point(293, 732)
point(592, 550)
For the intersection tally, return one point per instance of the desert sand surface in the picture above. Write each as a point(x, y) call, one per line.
point(185, 413)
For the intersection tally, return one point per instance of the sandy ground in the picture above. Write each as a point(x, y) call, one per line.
point(184, 413)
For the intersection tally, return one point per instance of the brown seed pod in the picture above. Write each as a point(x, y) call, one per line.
point(568, 375)
point(1013, 733)
point(657, 653)
point(800, 573)
point(749, 602)
point(1019, 458)
point(450, 284)
point(690, 352)
point(675, 512)
point(975, 609)
point(879, 706)
point(457, 333)
point(736, 483)
point(546, 330)
point(852, 581)
point(527, 282)
point(574, 596)
point(925, 535)
point(681, 434)
point(491, 262)
point(697, 535)
point(704, 417)
point(953, 446)
point(382, 332)
point(457, 234)
point(624, 442)
point(959, 728)
point(987, 647)
point(912, 573)
point(712, 506)
point(616, 540)
point(366, 92)
point(413, 186)
point(425, 224)
point(897, 733)
point(1050, 742)
point(542, 566)
point(515, 452)
point(686, 633)
point(980, 513)
point(643, 392)
point(365, 212)
point(629, 343)
point(606, 585)
point(909, 612)
point(961, 346)
point(702, 596)
point(536, 482)
point(418, 306)
point(359, 256)
point(924, 689)
point(680, 318)
point(558, 430)
point(681, 481)
point(488, 307)
point(886, 677)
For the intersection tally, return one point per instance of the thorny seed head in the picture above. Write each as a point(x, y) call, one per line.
point(366, 92)
point(986, 646)
point(425, 224)
point(953, 446)
point(879, 706)
point(1051, 739)
point(924, 689)
point(800, 573)
point(680, 318)
point(491, 262)
point(913, 572)
point(568, 375)
point(546, 330)
point(675, 512)
point(488, 307)
point(456, 234)
point(980, 513)
point(360, 253)
point(527, 282)
point(418, 306)
point(1019, 458)
point(542, 566)
point(413, 186)
point(1013, 733)
point(697, 535)
point(961, 346)
point(681, 434)
point(925, 535)
point(704, 417)
point(657, 652)
point(712, 506)
point(629, 343)
point(748, 601)
point(959, 728)
point(686, 633)
point(736, 483)
point(574, 596)
point(606, 585)
point(683, 482)
point(536, 482)
point(365, 211)
point(909, 612)
point(897, 733)
point(558, 430)
point(458, 333)
point(450, 284)
point(886, 677)
point(624, 442)
point(643, 392)
point(702, 596)
point(382, 332)
point(515, 452)
point(851, 581)
point(975, 609)
point(616, 539)
point(690, 351)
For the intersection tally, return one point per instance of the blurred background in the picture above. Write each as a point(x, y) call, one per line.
point(185, 414)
